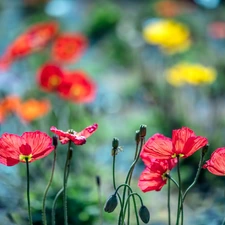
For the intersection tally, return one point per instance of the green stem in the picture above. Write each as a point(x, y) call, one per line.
point(127, 203)
point(100, 204)
point(65, 179)
point(54, 204)
point(114, 176)
point(28, 193)
point(168, 203)
point(129, 181)
point(180, 204)
point(168, 176)
point(196, 176)
point(129, 174)
point(44, 220)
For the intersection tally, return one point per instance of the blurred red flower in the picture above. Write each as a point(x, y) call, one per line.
point(184, 143)
point(68, 47)
point(78, 87)
point(216, 163)
point(31, 145)
point(33, 39)
point(78, 138)
point(153, 178)
point(216, 30)
point(50, 76)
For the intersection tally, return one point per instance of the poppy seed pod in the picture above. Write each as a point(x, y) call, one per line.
point(111, 204)
point(144, 214)
point(143, 129)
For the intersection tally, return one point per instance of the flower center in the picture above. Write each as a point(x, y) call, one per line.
point(54, 80)
point(177, 155)
point(164, 175)
point(23, 158)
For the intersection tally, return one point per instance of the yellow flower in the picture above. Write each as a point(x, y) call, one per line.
point(169, 35)
point(193, 74)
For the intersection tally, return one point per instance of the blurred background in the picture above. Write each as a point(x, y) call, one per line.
point(72, 63)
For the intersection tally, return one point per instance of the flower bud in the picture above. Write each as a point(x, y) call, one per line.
point(111, 204)
point(115, 143)
point(137, 136)
point(98, 181)
point(55, 141)
point(144, 214)
point(205, 149)
point(143, 129)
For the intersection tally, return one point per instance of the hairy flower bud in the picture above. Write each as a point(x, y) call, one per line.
point(204, 150)
point(111, 204)
point(143, 129)
point(55, 141)
point(98, 181)
point(115, 143)
point(144, 214)
point(137, 136)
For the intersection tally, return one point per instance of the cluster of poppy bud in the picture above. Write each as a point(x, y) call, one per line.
point(112, 202)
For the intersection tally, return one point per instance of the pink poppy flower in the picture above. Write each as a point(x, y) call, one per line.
point(153, 178)
point(78, 138)
point(216, 163)
point(31, 145)
point(184, 143)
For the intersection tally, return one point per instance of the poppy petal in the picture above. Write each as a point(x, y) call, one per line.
point(193, 144)
point(88, 131)
point(150, 181)
point(10, 145)
point(158, 146)
point(180, 137)
point(40, 143)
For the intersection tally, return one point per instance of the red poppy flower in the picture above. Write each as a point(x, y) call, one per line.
point(31, 145)
point(78, 87)
point(69, 47)
point(153, 178)
point(35, 38)
point(184, 143)
point(50, 76)
point(78, 138)
point(216, 163)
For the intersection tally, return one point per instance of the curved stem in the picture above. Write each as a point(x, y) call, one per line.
point(65, 179)
point(127, 202)
point(129, 174)
point(114, 176)
point(196, 176)
point(129, 181)
point(54, 203)
point(174, 181)
point(44, 220)
point(28, 193)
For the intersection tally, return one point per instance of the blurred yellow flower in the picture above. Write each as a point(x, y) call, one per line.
point(169, 35)
point(193, 74)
